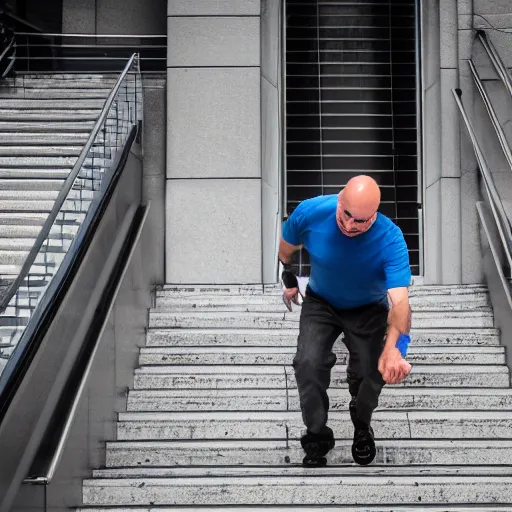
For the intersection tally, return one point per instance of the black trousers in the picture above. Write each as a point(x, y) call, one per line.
point(364, 330)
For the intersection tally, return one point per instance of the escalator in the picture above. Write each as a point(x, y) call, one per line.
point(351, 106)
point(54, 315)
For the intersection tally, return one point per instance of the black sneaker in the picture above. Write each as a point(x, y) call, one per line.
point(363, 447)
point(316, 447)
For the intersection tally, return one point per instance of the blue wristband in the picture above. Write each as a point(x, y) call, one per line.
point(403, 343)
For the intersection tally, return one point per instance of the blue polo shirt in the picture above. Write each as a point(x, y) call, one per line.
point(348, 272)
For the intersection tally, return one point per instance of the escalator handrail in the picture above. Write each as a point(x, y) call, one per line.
point(492, 114)
point(498, 211)
point(63, 194)
point(496, 60)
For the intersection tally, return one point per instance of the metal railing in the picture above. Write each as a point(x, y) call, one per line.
point(498, 212)
point(492, 113)
point(82, 188)
point(496, 60)
point(7, 58)
point(70, 53)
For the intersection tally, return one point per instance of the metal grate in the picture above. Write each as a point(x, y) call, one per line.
point(351, 105)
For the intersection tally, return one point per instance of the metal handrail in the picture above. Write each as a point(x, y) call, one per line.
point(95, 36)
point(498, 211)
point(22, 21)
point(492, 114)
point(496, 60)
point(7, 48)
point(4, 54)
point(65, 189)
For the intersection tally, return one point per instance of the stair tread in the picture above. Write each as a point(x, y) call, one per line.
point(292, 349)
point(306, 508)
point(279, 369)
point(285, 415)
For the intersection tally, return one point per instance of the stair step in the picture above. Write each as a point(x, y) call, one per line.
point(16, 244)
point(34, 173)
point(52, 104)
point(483, 318)
point(168, 400)
point(47, 126)
point(277, 306)
point(176, 290)
point(171, 290)
point(43, 206)
point(284, 355)
point(268, 453)
point(42, 139)
point(277, 377)
point(31, 232)
point(307, 508)
point(29, 195)
point(38, 161)
point(288, 469)
point(23, 219)
point(13, 257)
point(299, 490)
point(288, 424)
point(70, 84)
point(275, 300)
point(9, 270)
point(65, 93)
point(26, 115)
point(30, 184)
point(38, 151)
point(26, 206)
point(288, 337)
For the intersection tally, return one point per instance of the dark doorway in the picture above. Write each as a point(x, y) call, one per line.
point(351, 106)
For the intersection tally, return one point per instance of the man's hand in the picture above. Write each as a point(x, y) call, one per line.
point(291, 290)
point(392, 366)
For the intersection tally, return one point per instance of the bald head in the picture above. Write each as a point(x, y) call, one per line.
point(363, 194)
point(358, 202)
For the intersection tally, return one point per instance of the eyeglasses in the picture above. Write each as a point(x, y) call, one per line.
point(357, 221)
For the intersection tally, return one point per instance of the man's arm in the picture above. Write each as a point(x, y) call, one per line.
point(286, 250)
point(393, 367)
point(399, 317)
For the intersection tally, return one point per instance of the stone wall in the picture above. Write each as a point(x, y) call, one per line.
point(213, 201)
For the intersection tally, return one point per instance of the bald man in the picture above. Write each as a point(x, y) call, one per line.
point(358, 286)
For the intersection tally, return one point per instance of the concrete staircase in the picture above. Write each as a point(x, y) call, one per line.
point(44, 124)
point(213, 421)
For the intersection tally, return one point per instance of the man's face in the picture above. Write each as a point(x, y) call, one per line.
point(353, 221)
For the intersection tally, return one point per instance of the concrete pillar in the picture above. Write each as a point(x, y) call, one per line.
point(472, 270)
point(450, 212)
point(271, 147)
point(431, 140)
point(213, 196)
point(441, 160)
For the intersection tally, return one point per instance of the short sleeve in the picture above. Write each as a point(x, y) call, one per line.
point(397, 267)
point(294, 225)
